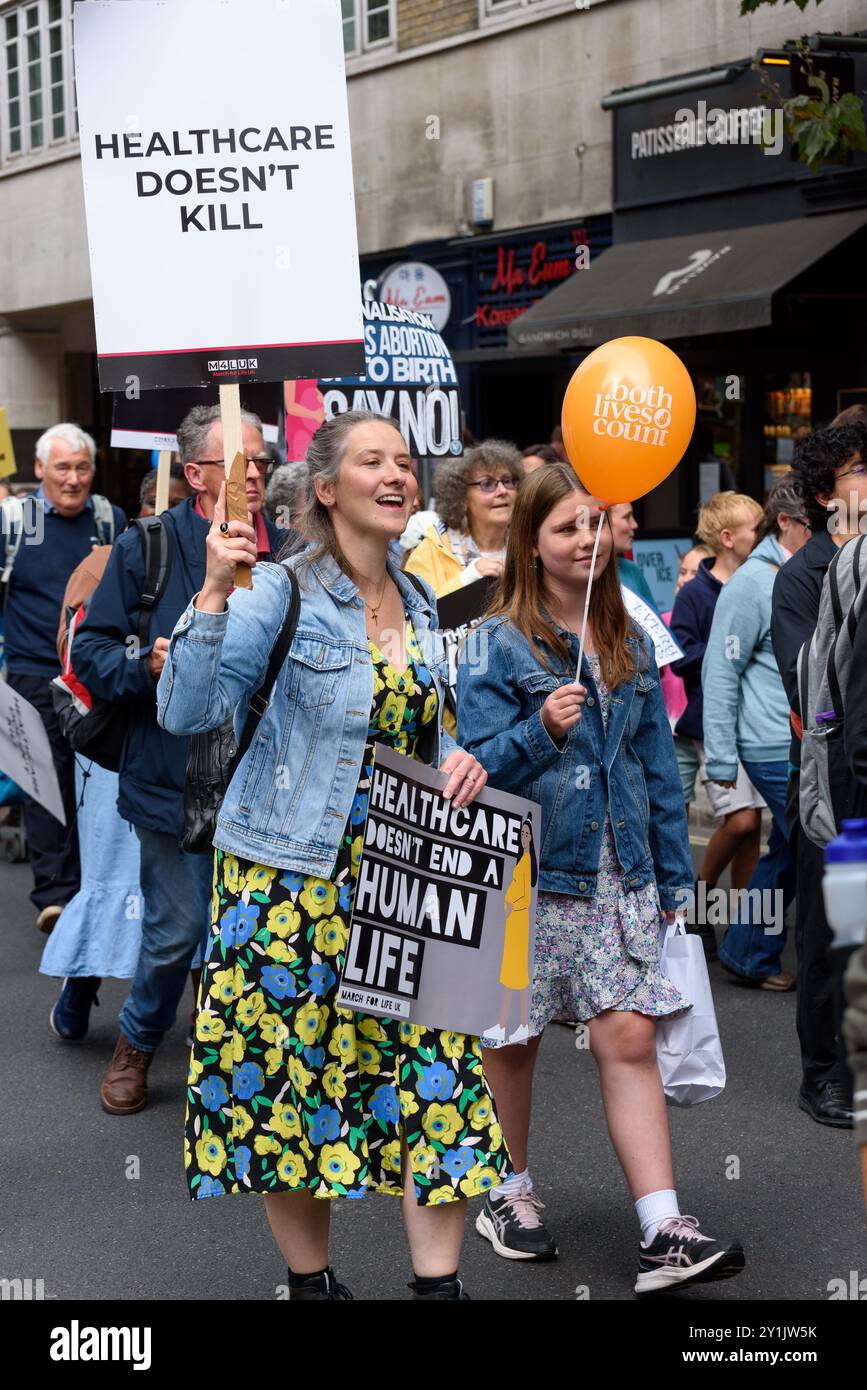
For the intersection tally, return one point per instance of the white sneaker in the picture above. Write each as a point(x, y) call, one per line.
point(520, 1034)
point(497, 1034)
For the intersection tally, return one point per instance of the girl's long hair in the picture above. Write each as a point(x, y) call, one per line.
point(521, 594)
point(534, 867)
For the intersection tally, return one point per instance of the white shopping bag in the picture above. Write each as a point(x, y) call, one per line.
point(688, 1045)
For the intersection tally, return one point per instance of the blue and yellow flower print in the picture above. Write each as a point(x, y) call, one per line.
point(285, 1091)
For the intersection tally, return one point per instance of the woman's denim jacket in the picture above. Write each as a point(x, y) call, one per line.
point(289, 801)
point(629, 770)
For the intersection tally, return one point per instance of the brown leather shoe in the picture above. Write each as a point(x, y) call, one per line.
point(124, 1089)
point(780, 983)
point(47, 919)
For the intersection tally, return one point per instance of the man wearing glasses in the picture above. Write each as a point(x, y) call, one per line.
point(830, 467)
point(175, 885)
point(43, 538)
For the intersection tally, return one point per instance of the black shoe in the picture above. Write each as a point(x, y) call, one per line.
point(679, 1254)
point(70, 1017)
point(450, 1289)
point(320, 1288)
point(513, 1226)
point(827, 1104)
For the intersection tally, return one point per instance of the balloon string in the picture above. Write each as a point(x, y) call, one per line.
point(587, 596)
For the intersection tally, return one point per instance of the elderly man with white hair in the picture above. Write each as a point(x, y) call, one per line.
point(43, 538)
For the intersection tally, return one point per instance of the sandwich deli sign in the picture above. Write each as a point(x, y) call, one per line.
point(218, 185)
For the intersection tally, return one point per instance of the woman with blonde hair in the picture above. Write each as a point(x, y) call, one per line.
point(290, 1095)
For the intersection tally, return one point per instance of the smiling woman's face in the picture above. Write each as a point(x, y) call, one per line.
point(565, 540)
point(376, 486)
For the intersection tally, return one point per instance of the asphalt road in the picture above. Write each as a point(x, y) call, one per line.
point(71, 1216)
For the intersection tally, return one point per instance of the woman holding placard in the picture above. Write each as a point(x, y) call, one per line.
point(289, 1095)
point(614, 855)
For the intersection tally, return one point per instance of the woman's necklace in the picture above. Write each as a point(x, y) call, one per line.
point(374, 612)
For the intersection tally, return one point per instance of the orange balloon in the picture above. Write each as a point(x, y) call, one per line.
point(628, 416)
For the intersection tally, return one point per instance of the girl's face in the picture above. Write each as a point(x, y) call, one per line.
point(526, 836)
point(565, 540)
point(376, 486)
point(688, 568)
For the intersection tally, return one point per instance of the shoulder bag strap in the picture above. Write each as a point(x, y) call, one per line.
point(837, 610)
point(417, 584)
point(103, 515)
point(258, 703)
point(158, 560)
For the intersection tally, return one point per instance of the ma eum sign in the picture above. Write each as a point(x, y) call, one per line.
point(211, 179)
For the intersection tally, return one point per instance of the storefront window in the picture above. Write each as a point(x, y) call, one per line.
point(719, 427)
point(788, 411)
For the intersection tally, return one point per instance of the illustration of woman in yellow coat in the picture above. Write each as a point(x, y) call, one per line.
point(515, 965)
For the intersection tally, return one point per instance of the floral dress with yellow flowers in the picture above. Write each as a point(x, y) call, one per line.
point(287, 1091)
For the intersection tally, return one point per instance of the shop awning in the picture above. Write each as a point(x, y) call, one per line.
point(709, 282)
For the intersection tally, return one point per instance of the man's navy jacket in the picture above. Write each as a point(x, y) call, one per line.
point(153, 763)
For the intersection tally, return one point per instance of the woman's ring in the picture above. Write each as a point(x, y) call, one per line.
point(224, 528)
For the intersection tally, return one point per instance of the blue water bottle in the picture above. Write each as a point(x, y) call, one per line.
point(845, 884)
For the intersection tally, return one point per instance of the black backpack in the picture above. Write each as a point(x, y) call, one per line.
point(97, 729)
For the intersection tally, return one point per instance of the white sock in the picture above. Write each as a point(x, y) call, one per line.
point(653, 1209)
point(512, 1184)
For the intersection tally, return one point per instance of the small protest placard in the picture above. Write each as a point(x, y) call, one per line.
point(666, 647)
point(409, 375)
point(659, 562)
point(150, 419)
point(457, 613)
point(442, 929)
point(218, 186)
point(25, 753)
point(7, 453)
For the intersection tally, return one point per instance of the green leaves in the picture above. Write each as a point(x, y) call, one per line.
point(825, 132)
point(750, 6)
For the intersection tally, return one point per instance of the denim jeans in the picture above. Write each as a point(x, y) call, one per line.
point(176, 888)
point(755, 939)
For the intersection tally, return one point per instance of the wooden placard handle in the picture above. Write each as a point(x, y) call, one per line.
point(236, 470)
point(164, 475)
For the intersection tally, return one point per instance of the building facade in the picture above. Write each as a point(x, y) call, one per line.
point(481, 147)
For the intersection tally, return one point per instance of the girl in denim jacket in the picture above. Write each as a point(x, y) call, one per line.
point(289, 1095)
point(614, 859)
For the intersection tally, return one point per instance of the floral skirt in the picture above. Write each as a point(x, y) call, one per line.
point(286, 1091)
point(600, 953)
